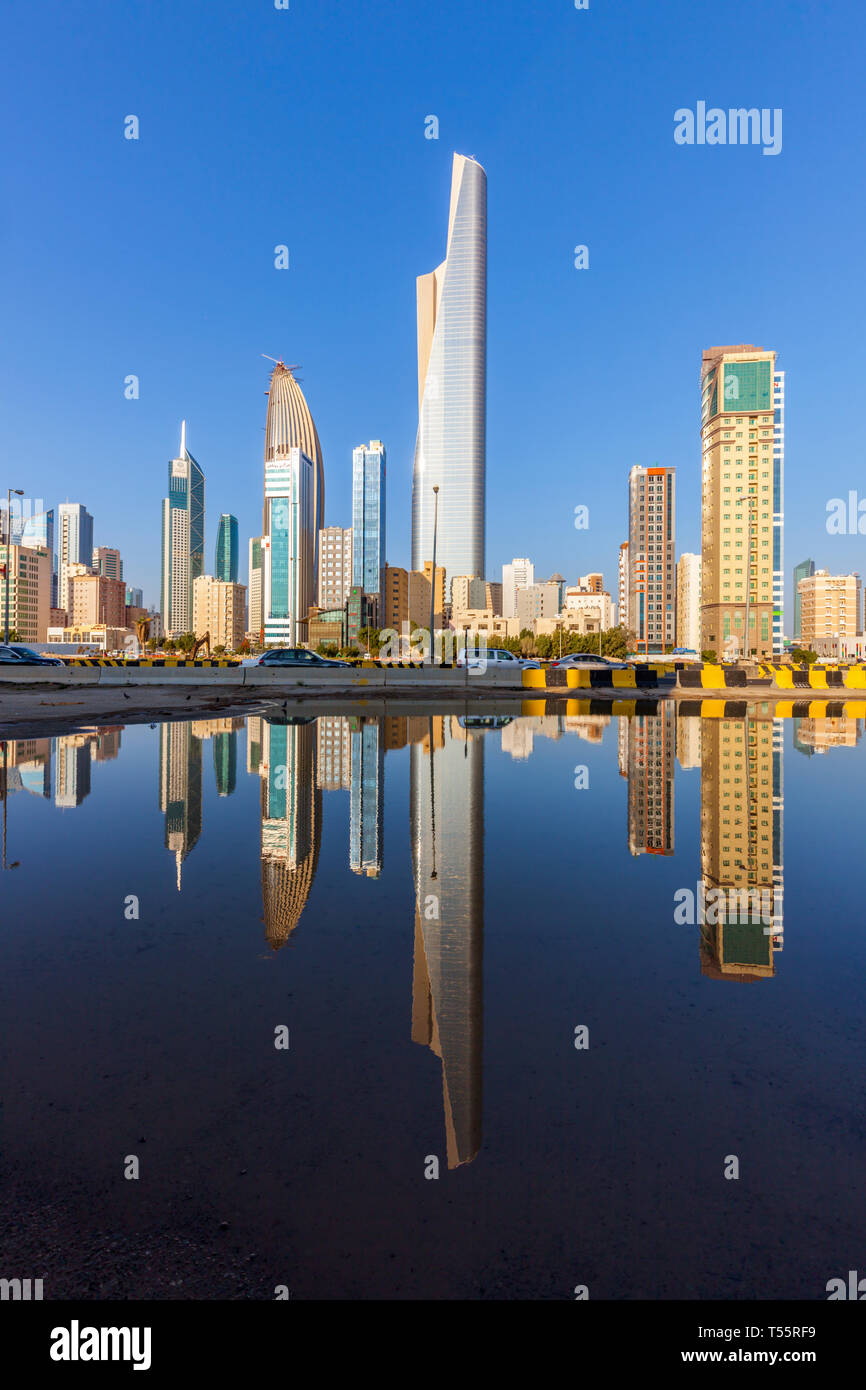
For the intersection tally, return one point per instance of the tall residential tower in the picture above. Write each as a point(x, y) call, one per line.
point(74, 543)
point(652, 557)
point(742, 508)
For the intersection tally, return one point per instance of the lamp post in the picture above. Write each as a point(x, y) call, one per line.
point(433, 576)
point(18, 492)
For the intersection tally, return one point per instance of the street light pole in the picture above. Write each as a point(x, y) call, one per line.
point(18, 493)
point(433, 576)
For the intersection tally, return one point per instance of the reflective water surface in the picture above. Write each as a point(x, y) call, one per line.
point(435, 1006)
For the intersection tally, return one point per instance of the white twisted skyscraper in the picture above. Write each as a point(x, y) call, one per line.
point(452, 387)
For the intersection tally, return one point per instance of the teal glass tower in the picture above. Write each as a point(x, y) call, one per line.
point(226, 558)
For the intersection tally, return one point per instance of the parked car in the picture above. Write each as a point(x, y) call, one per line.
point(16, 652)
point(293, 656)
point(589, 661)
point(485, 721)
point(497, 657)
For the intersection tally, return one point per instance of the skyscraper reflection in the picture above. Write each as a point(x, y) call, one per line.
point(291, 823)
point(366, 797)
point(447, 829)
point(180, 789)
point(71, 770)
point(647, 746)
point(741, 846)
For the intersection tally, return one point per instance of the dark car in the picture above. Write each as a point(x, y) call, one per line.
point(15, 652)
point(294, 656)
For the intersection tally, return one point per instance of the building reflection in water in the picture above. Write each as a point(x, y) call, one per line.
point(180, 789)
point(646, 751)
point(366, 795)
point(73, 757)
point(741, 846)
point(283, 753)
point(447, 830)
point(26, 766)
point(820, 735)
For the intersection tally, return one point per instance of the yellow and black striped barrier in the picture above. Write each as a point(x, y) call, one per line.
point(710, 676)
point(555, 678)
point(135, 662)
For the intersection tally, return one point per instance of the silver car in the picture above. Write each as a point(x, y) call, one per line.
point(499, 658)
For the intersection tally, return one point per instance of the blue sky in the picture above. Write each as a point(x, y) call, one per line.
point(306, 127)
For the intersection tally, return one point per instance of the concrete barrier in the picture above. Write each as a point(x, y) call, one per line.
point(209, 677)
point(213, 676)
point(48, 675)
point(710, 676)
point(555, 678)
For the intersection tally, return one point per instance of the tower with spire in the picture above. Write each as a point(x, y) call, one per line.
point(182, 539)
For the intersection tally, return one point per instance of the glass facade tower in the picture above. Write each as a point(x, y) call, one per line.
point(226, 557)
point(368, 519)
point(450, 449)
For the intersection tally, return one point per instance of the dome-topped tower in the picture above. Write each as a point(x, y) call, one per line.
point(291, 426)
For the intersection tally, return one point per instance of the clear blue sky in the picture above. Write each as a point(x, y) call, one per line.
point(306, 127)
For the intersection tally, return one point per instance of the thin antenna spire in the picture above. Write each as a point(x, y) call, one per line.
point(183, 439)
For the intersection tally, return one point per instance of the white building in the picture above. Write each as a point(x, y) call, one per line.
point(592, 605)
point(520, 574)
point(689, 601)
point(256, 574)
point(622, 586)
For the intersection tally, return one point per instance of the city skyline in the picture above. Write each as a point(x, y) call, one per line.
point(560, 339)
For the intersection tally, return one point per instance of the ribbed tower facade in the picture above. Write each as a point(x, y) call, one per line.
point(293, 511)
point(290, 425)
point(452, 387)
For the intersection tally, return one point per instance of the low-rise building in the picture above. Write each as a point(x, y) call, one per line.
point(830, 607)
point(220, 608)
point(537, 601)
point(113, 641)
point(96, 598)
point(594, 604)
